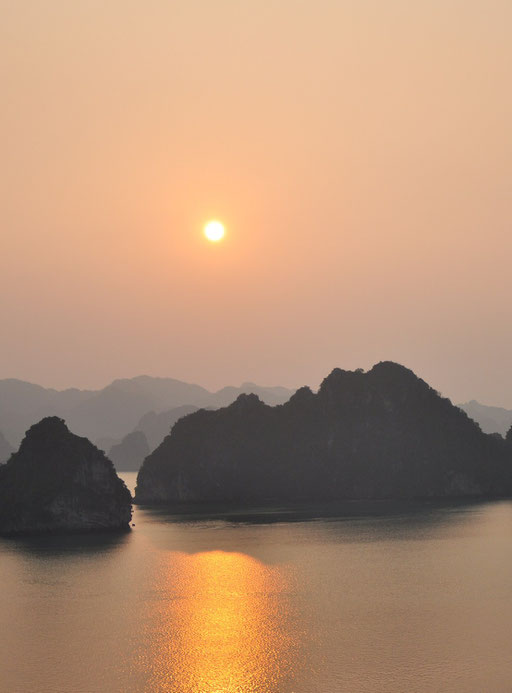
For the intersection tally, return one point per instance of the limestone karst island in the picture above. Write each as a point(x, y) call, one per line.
point(59, 482)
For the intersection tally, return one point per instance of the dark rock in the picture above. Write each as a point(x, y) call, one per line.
point(380, 434)
point(58, 482)
point(129, 454)
point(157, 425)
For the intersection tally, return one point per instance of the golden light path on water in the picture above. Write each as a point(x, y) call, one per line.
point(224, 626)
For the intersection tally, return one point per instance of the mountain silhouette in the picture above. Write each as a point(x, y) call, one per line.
point(107, 415)
point(490, 419)
point(380, 434)
point(157, 425)
point(129, 454)
point(5, 449)
point(59, 482)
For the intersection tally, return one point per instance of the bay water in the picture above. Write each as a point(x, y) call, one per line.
point(352, 598)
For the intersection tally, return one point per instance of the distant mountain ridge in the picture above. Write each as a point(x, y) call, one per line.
point(23, 404)
point(490, 419)
point(384, 433)
point(128, 455)
point(5, 449)
point(115, 410)
point(156, 425)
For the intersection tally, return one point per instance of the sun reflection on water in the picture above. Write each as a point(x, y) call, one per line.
point(224, 625)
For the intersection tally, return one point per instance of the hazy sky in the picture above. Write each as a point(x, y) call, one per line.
point(359, 153)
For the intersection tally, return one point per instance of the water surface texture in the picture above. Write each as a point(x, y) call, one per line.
point(363, 597)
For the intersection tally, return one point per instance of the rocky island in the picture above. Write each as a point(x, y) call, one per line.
point(379, 434)
point(60, 482)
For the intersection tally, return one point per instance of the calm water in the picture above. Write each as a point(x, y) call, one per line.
point(380, 598)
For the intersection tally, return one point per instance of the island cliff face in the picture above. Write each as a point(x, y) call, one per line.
point(57, 482)
point(380, 434)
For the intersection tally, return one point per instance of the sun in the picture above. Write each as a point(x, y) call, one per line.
point(214, 231)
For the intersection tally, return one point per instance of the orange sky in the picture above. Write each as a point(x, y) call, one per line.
point(358, 151)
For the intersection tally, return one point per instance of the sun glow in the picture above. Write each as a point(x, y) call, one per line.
point(214, 231)
point(225, 625)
